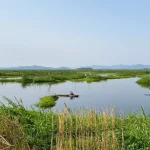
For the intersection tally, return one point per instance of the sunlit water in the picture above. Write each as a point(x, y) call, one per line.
point(123, 94)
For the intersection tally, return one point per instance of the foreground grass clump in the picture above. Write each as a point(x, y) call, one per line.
point(47, 101)
point(65, 130)
point(11, 132)
point(72, 130)
point(144, 81)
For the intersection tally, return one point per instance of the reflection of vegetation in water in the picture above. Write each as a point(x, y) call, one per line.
point(144, 81)
point(24, 84)
point(38, 77)
point(47, 101)
point(35, 129)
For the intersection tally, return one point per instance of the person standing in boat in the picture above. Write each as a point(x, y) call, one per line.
point(71, 93)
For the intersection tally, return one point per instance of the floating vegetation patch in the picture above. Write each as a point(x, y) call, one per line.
point(47, 101)
point(144, 81)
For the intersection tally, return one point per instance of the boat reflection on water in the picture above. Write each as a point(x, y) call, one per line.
point(73, 97)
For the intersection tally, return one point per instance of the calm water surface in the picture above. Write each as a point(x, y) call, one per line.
point(124, 94)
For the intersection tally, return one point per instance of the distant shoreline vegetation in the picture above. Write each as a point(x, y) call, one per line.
point(79, 75)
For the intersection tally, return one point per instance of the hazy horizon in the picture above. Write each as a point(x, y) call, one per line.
point(74, 33)
point(75, 66)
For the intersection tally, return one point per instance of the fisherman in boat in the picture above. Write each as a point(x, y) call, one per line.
point(71, 93)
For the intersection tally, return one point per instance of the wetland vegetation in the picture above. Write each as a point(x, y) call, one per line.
point(39, 129)
point(47, 101)
point(28, 129)
point(144, 81)
point(56, 76)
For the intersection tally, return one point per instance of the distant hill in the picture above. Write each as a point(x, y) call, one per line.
point(136, 66)
point(35, 67)
point(85, 68)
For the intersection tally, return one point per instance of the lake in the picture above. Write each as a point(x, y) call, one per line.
point(123, 94)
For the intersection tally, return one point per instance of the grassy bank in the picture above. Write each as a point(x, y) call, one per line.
point(72, 130)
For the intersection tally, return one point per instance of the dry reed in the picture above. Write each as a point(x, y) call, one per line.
point(86, 129)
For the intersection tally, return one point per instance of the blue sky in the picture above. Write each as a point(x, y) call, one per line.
point(74, 33)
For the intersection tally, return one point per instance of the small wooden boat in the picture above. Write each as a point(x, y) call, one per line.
point(67, 95)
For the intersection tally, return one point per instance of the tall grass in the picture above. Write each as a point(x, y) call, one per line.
point(65, 130)
point(87, 129)
point(23, 129)
point(11, 134)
